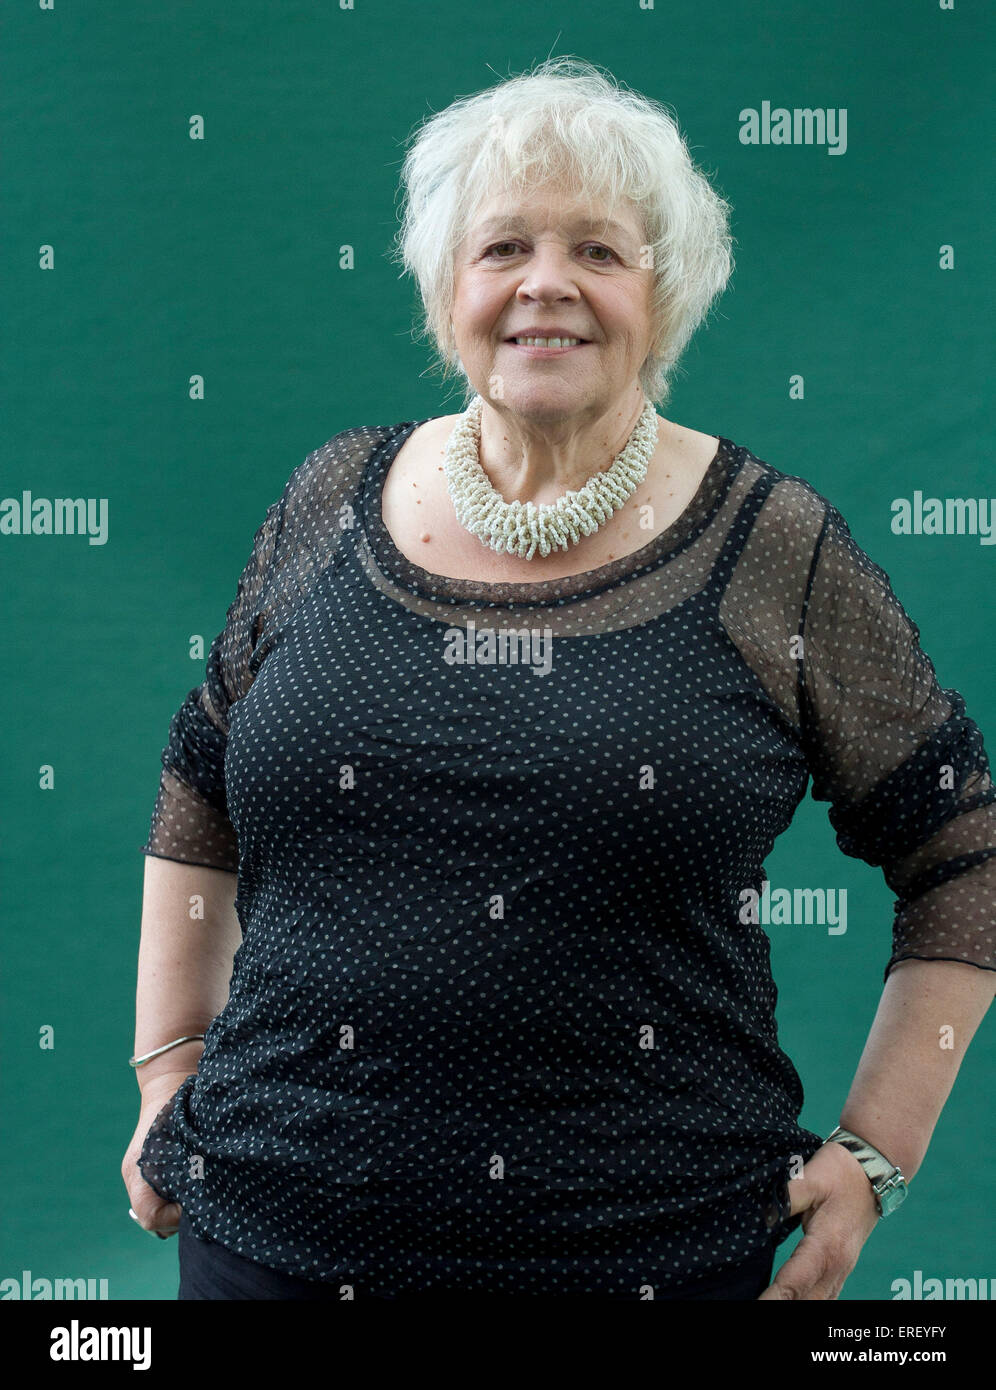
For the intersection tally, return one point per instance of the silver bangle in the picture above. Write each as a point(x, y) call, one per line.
point(140, 1061)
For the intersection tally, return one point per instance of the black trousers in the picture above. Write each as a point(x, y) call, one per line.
point(210, 1270)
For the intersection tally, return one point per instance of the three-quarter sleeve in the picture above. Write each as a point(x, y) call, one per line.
point(190, 821)
point(898, 758)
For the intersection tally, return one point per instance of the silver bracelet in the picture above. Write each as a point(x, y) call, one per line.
point(140, 1061)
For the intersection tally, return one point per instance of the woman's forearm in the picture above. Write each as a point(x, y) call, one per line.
point(190, 933)
point(926, 1018)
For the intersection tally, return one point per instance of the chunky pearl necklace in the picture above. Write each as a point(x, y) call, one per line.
point(516, 528)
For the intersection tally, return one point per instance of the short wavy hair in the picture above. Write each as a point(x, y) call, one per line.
point(566, 124)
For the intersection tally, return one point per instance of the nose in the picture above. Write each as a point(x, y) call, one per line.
point(548, 275)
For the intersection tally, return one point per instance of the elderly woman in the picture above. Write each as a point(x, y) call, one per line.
point(473, 802)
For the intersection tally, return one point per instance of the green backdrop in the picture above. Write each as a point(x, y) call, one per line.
point(219, 257)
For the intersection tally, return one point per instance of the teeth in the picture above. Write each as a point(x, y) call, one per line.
point(547, 342)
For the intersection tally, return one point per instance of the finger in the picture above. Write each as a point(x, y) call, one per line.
point(168, 1220)
point(810, 1273)
point(800, 1194)
point(161, 1218)
point(148, 1204)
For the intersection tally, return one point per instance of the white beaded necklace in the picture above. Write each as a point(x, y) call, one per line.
point(516, 528)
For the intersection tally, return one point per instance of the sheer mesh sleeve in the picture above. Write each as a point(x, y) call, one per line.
point(898, 758)
point(190, 821)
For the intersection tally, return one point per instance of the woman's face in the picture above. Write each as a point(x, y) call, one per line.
point(540, 263)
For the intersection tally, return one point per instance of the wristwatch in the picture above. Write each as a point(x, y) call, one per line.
point(887, 1181)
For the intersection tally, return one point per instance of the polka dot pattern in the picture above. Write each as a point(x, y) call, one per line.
point(496, 1022)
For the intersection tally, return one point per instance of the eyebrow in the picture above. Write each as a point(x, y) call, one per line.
point(520, 224)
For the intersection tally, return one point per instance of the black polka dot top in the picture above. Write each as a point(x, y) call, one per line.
point(500, 1017)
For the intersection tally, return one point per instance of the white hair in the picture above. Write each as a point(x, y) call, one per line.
point(565, 125)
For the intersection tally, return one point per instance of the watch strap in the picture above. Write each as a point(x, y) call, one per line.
point(886, 1179)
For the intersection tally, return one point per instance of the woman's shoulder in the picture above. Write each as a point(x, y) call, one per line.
point(332, 469)
point(793, 503)
point(355, 443)
point(798, 530)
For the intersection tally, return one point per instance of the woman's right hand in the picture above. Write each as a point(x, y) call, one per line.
point(153, 1213)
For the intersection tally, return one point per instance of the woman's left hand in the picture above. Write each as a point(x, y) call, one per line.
point(839, 1212)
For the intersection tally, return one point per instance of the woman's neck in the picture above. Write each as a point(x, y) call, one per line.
point(532, 460)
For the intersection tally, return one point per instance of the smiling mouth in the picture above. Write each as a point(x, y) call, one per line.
point(547, 344)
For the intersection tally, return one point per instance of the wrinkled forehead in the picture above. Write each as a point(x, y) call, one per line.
point(568, 212)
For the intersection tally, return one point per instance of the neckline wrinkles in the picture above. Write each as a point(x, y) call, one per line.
point(712, 490)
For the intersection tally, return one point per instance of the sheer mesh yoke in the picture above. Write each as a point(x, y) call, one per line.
point(897, 757)
point(498, 1018)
